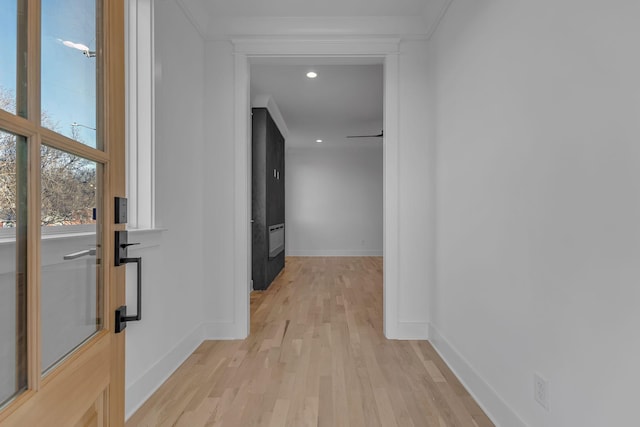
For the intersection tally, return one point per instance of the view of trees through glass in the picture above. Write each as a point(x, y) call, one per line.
point(68, 94)
point(68, 188)
point(68, 182)
point(8, 180)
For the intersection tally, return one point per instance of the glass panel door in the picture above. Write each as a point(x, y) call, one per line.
point(61, 362)
point(71, 290)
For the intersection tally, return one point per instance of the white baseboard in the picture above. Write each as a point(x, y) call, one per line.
point(412, 331)
point(332, 253)
point(142, 388)
point(492, 404)
point(221, 331)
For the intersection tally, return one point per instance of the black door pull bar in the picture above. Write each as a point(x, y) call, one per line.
point(121, 258)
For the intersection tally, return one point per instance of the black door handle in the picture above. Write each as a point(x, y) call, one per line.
point(121, 258)
point(121, 312)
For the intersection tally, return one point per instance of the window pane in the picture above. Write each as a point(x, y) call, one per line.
point(69, 69)
point(71, 297)
point(68, 188)
point(13, 262)
point(13, 44)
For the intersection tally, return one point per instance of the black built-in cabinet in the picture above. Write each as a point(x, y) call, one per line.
point(267, 196)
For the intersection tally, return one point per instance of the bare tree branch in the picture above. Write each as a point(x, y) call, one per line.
point(68, 182)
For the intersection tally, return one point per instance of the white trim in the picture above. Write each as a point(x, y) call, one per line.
point(147, 238)
point(222, 27)
point(242, 193)
point(220, 331)
point(316, 46)
point(413, 330)
point(334, 253)
point(140, 92)
point(491, 403)
point(245, 48)
point(391, 191)
point(141, 389)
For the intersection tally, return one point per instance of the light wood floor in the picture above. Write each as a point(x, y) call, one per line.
point(316, 357)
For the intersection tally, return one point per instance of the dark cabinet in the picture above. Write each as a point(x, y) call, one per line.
point(268, 197)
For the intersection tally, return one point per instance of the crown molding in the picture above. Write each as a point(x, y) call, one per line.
point(319, 45)
point(226, 28)
point(421, 27)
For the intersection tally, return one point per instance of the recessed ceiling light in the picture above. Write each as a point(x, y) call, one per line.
point(318, 140)
point(312, 74)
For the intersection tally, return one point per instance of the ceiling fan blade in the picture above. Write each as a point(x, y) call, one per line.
point(380, 135)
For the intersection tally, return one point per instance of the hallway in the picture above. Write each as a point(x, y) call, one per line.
point(316, 356)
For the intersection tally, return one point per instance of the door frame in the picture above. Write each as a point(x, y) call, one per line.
point(385, 49)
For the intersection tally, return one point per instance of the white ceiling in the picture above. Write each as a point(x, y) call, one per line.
point(344, 99)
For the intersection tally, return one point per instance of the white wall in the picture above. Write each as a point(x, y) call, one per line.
point(333, 201)
point(173, 260)
point(219, 284)
point(538, 178)
point(415, 190)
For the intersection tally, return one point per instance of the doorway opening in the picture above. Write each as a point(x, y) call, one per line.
point(250, 51)
point(317, 145)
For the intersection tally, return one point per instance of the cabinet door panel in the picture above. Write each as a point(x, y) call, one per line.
point(258, 206)
point(272, 172)
point(281, 198)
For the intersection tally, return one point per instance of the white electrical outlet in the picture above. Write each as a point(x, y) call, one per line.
point(541, 391)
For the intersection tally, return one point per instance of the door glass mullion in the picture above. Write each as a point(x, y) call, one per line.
point(64, 143)
point(13, 265)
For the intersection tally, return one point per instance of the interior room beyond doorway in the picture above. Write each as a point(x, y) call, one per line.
point(330, 113)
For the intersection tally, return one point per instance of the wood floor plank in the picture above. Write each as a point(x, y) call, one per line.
point(316, 356)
